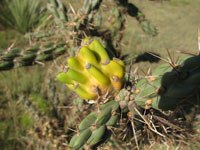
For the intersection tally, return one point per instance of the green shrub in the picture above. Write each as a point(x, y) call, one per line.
point(21, 15)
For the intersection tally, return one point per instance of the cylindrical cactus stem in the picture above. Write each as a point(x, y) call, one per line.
point(80, 139)
point(96, 136)
point(98, 122)
point(88, 121)
point(61, 11)
point(52, 6)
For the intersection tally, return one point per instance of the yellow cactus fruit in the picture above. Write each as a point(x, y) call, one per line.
point(76, 76)
point(73, 63)
point(116, 83)
point(112, 68)
point(103, 80)
point(87, 56)
point(120, 62)
point(91, 74)
point(81, 91)
point(63, 77)
point(98, 49)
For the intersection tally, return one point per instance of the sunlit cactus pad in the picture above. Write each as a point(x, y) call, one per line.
point(91, 73)
point(169, 85)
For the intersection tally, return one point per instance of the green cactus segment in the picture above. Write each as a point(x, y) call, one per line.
point(190, 64)
point(28, 58)
point(73, 140)
point(165, 67)
point(97, 122)
point(113, 105)
point(180, 91)
point(82, 138)
point(48, 50)
point(92, 69)
point(113, 120)
point(193, 79)
point(4, 65)
point(44, 57)
point(96, 136)
point(104, 116)
point(31, 50)
point(17, 57)
point(9, 56)
point(168, 87)
point(148, 28)
point(48, 45)
point(123, 98)
point(57, 8)
point(88, 121)
point(59, 51)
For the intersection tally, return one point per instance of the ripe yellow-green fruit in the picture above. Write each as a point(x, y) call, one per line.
point(81, 91)
point(63, 77)
point(73, 63)
point(98, 49)
point(120, 62)
point(116, 82)
point(91, 73)
point(76, 76)
point(101, 78)
point(112, 68)
point(87, 56)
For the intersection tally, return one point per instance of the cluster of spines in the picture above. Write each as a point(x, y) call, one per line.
point(92, 129)
point(90, 5)
point(16, 57)
point(91, 73)
point(168, 86)
point(57, 8)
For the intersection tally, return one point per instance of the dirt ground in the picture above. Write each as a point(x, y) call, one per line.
point(177, 22)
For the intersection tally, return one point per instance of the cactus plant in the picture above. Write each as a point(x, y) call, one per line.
point(90, 73)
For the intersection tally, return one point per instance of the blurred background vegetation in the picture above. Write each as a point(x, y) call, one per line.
point(36, 111)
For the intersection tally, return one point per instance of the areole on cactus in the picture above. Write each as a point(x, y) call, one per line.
point(91, 73)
